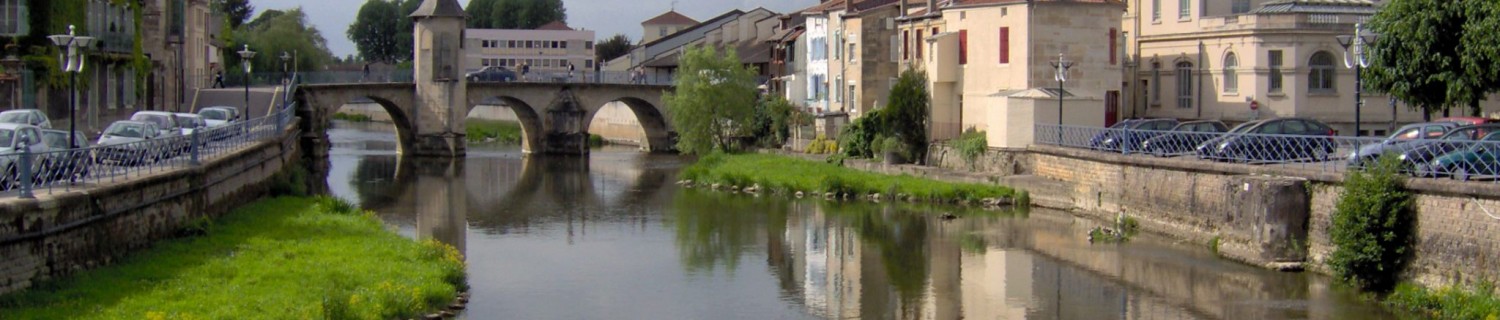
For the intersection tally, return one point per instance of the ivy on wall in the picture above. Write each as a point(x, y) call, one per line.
point(53, 17)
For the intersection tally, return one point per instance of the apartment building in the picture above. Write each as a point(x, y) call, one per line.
point(549, 50)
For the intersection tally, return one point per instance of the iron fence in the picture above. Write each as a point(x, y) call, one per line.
point(1460, 157)
point(27, 173)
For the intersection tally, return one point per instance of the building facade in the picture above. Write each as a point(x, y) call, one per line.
point(549, 51)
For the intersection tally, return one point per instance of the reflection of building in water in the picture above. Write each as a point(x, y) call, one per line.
point(440, 199)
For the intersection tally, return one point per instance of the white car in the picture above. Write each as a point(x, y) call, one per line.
point(190, 122)
point(124, 142)
point(12, 137)
point(219, 116)
point(32, 117)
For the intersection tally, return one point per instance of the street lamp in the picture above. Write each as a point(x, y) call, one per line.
point(245, 56)
point(73, 58)
point(1061, 66)
point(1357, 57)
point(285, 58)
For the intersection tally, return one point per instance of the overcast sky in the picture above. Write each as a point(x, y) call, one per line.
point(606, 17)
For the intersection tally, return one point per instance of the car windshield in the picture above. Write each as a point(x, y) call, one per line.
point(214, 114)
point(159, 121)
point(125, 131)
point(55, 139)
point(13, 117)
point(185, 122)
point(6, 137)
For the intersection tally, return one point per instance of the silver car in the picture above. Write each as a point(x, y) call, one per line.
point(13, 137)
point(32, 117)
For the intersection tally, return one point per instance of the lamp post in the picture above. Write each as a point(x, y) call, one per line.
point(1357, 57)
point(286, 57)
point(245, 56)
point(73, 58)
point(1061, 66)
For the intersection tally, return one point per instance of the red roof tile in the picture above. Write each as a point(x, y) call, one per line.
point(671, 18)
point(555, 25)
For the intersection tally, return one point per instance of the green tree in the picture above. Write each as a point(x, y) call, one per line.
point(237, 12)
point(1436, 55)
point(614, 47)
point(514, 14)
point(906, 116)
point(374, 31)
point(286, 31)
point(714, 101)
point(1372, 229)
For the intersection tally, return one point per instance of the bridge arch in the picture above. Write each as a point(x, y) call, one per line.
point(659, 135)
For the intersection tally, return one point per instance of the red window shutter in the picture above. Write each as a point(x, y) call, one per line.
point(1004, 44)
point(906, 45)
point(1113, 46)
point(963, 46)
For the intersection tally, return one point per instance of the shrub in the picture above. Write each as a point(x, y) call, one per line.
point(1372, 227)
point(861, 137)
point(893, 146)
point(1446, 303)
point(971, 145)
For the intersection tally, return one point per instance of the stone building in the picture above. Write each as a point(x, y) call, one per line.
point(548, 49)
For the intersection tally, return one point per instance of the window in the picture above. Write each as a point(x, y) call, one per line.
point(1113, 47)
point(838, 95)
point(1155, 10)
point(562, 44)
point(1240, 6)
point(529, 44)
point(895, 48)
point(853, 95)
point(588, 45)
point(1184, 8)
point(838, 46)
point(1184, 84)
point(661, 31)
point(1275, 62)
point(1004, 45)
point(1231, 80)
point(963, 47)
point(851, 52)
point(905, 44)
point(919, 45)
point(1320, 79)
point(588, 63)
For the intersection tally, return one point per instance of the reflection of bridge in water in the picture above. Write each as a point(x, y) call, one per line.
point(443, 197)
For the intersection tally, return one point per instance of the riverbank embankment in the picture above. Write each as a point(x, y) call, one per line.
point(281, 258)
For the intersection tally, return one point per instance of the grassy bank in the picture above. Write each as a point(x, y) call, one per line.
point(498, 131)
point(351, 117)
point(786, 174)
point(1446, 303)
point(283, 258)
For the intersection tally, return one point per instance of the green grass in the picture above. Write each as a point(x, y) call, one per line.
point(785, 174)
point(1445, 303)
point(282, 258)
point(504, 132)
point(351, 117)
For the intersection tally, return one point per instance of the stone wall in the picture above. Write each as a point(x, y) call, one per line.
point(59, 234)
point(1267, 214)
point(995, 161)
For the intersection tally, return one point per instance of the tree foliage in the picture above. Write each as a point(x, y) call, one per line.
point(772, 122)
point(614, 47)
point(1436, 55)
point(1372, 227)
point(514, 14)
point(904, 118)
point(374, 31)
point(283, 31)
point(237, 12)
point(714, 101)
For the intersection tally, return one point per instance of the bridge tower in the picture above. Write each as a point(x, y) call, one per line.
point(442, 90)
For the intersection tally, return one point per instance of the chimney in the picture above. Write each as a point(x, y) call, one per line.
point(848, 5)
point(902, 4)
point(931, 6)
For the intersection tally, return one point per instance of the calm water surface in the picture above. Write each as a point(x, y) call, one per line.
point(611, 236)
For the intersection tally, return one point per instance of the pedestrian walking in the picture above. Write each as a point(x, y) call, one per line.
point(570, 71)
point(219, 79)
point(525, 69)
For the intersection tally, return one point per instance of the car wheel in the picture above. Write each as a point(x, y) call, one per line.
point(1461, 173)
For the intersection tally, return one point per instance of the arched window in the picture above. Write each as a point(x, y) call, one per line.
point(1320, 78)
point(1231, 80)
point(1184, 84)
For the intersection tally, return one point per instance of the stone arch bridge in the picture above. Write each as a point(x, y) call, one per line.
point(554, 117)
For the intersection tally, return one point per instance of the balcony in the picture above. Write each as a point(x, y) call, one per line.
point(1246, 22)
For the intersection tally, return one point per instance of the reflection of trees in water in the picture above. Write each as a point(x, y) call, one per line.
point(374, 179)
point(546, 188)
point(900, 238)
point(715, 229)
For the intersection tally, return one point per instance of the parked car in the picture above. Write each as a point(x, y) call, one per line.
point(32, 117)
point(492, 74)
point(13, 136)
point(1402, 139)
point(68, 161)
point(1417, 156)
point(1468, 121)
point(168, 125)
point(219, 116)
point(1479, 158)
point(130, 143)
point(1184, 137)
point(1127, 135)
point(1275, 140)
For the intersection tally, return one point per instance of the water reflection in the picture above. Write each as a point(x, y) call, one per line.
point(610, 236)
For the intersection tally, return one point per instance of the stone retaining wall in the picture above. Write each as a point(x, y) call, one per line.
point(58, 234)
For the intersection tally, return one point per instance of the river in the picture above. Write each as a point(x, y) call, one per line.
point(610, 236)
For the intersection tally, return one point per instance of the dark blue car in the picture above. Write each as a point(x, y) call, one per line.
point(1127, 136)
point(492, 74)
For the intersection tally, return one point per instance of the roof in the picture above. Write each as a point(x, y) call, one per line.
point(439, 8)
point(670, 18)
point(555, 25)
point(1319, 6)
point(727, 15)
